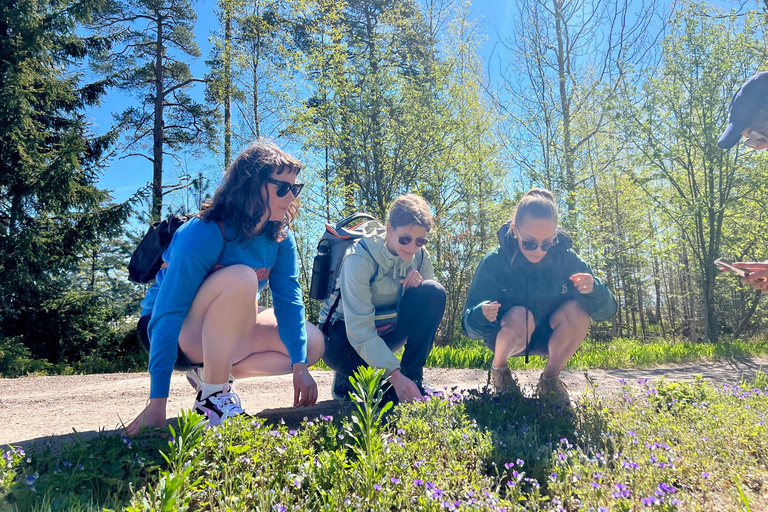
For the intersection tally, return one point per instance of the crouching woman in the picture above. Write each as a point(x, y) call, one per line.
point(534, 295)
point(386, 275)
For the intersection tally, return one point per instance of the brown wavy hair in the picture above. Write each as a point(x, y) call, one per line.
point(238, 200)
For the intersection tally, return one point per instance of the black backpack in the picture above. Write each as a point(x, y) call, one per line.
point(330, 253)
point(327, 264)
point(147, 259)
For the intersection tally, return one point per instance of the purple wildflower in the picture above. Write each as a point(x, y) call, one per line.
point(377, 487)
point(395, 480)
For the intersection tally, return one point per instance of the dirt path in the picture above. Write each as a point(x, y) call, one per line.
point(41, 408)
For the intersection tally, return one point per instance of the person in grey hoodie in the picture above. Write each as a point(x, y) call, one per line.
point(389, 298)
point(534, 295)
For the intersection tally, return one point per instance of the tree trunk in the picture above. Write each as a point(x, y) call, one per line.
point(562, 73)
point(227, 84)
point(657, 287)
point(157, 130)
point(752, 308)
point(255, 65)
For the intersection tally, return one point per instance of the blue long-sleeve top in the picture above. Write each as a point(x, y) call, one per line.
point(197, 249)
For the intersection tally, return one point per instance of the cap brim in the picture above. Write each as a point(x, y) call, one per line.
point(730, 136)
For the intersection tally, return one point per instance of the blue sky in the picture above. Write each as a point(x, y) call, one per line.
point(125, 176)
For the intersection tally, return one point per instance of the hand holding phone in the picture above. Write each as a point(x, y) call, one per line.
point(758, 274)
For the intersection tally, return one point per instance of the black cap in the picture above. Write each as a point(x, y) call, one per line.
point(746, 103)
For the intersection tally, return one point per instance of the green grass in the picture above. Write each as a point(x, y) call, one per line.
point(617, 353)
point(656, 446)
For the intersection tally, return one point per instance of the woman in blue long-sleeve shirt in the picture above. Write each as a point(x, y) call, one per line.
point(203, 307)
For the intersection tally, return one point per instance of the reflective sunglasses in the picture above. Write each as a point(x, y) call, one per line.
point(405, 240)
point(284, 186)
point(755, 139)
point(530, 245)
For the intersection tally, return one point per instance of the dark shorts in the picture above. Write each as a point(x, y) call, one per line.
point(539, 345)
point(182, 363)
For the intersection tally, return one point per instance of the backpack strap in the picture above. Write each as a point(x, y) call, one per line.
point(326, 328)
point(223, 236)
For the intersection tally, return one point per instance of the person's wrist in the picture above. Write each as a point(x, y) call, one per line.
point(299, 367)
point(159, 401)
point(395, 376)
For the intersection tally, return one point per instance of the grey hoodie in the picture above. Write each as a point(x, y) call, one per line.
point(362, 293)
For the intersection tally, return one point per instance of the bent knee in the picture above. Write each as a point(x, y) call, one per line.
point(573, 314)
point(236, 278)
point(431, 290)
point(315, 344)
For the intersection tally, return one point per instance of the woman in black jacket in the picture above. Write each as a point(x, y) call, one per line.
point(534, 295)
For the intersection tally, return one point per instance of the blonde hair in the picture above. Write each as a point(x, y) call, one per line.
point(538, 203)
point(410, 209)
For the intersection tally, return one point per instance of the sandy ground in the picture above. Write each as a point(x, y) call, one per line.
point(36, 409)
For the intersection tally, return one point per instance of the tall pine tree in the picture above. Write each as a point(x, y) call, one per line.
point(51, 210)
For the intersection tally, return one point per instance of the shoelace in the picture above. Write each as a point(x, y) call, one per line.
point(228, 403)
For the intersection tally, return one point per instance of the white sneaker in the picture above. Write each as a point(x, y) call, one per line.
point(220, 406)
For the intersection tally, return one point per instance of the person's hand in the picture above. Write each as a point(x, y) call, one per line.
point(405, 388)
point(491, 311)
point(153, 415)
point(583, 282)
point(412, 279)
point(304, 386)
point(758, 276)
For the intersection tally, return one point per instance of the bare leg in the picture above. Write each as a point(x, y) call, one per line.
point(265, 353)
point(512, 337)
point(223, 330)
point(570, 324)
point(220, 320)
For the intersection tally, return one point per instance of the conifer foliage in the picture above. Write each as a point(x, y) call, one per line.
point(51, 212)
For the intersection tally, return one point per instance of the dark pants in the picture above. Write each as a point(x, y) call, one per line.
point(421, 310)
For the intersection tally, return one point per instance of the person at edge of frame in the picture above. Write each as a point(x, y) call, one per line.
point(748, 118)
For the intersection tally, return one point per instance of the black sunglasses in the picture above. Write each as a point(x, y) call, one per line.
point(532, 246)
point(405, 240)
point(284, 186)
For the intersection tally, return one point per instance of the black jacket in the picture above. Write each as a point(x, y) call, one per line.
point(505, 275)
